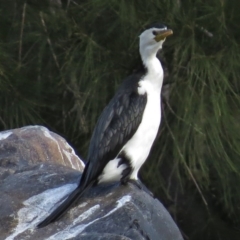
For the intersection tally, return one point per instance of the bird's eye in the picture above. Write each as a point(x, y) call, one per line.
point(154, 33)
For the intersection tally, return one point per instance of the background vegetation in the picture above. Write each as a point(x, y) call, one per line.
point(61, 61)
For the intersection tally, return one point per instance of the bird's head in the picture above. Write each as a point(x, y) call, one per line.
point(152, 39)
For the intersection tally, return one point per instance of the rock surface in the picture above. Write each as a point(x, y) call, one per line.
point(34, 179)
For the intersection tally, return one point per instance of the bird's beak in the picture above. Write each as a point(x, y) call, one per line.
point(161, 35)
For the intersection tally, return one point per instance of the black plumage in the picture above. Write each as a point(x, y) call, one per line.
point(127, 127)
point(122, 115)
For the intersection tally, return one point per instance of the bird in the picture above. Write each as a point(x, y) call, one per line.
point(126, 129)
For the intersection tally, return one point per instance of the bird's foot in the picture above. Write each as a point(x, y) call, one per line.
point(141, 186)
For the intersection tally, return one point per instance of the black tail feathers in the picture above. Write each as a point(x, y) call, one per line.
point(66, 205)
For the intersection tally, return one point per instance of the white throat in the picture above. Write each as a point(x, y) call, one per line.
point(153, 66)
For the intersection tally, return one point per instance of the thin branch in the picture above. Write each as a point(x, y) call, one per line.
point(181, 119)
point(3, 123)
point(49, 41)
point(188, 169)
point(21, 33)
point(68, 3)
point(204, 30)
point(196, 184)
point(71, 1)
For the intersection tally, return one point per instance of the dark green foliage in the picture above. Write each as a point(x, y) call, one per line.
point(60, 65)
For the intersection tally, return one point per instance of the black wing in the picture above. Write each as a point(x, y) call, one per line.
point(116, 125)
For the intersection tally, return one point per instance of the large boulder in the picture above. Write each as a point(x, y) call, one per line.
point(38, 169)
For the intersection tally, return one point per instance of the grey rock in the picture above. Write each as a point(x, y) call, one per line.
point(33, 183)
point(33, 145)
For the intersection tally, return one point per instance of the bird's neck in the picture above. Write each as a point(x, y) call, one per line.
point(154, 69)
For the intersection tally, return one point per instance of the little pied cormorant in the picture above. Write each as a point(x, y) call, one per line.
point(127, 127)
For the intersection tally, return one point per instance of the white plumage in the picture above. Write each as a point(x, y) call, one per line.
point(138, 147)
point(125, 131)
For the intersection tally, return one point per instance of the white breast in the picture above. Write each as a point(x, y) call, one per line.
point(139, 146)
